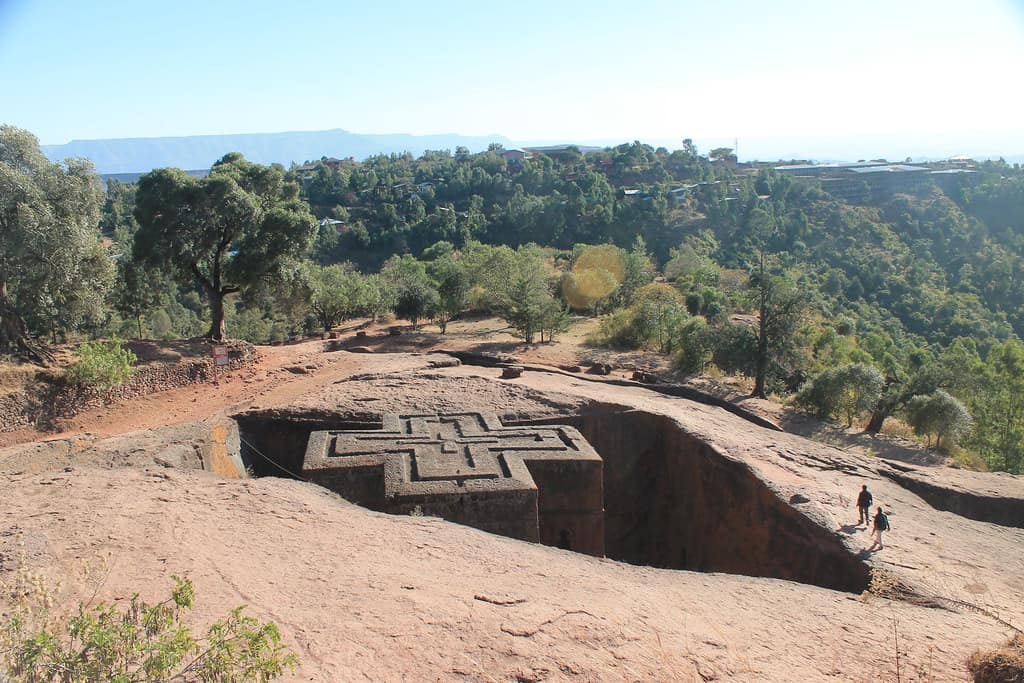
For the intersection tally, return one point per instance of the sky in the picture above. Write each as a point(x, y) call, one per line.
point(902, 74)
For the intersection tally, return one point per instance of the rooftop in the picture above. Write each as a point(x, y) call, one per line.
point(890, 168)
point(834, 165)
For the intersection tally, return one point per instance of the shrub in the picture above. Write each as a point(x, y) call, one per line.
point(144, 643)
point(617, 330)
point(696, 345)
point(660, 314)
point(101, 365)
point(655, 319)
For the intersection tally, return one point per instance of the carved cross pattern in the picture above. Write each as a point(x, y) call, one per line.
point(448, 448)
point(537, 483)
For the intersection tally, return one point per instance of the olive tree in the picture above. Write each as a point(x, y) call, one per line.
point(940, 414)
point(849, 390)
point(228, 232)
point(336, 294)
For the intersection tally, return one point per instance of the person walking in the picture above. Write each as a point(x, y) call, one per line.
point(864, 500)
point(881, 524)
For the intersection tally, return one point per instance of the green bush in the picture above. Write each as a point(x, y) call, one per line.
point(101, 365)
point(144, 644)
point(696, 346)
point(617, 330)
point(735, 348)
point(849, 390)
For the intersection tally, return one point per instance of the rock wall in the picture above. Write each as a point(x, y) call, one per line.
point(16, 411)
point(211, 445)
point(673, 501)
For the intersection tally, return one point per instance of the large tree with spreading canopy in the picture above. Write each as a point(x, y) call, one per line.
point(54, 271)
point(226, 232)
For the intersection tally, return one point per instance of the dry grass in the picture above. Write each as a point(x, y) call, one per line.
point(895, 427)
point(14, 377)
point(1002, 665)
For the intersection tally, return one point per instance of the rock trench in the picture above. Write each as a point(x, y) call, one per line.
point(671, 500)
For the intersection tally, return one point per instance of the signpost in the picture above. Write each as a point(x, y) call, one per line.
point(220, 359)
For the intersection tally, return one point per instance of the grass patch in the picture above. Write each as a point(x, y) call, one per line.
point(1002, 665)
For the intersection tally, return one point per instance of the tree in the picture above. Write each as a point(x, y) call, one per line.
point(378, 296)
point(998, 408)
point(955, 370)
point(53, 270)
point(415, 300)
point(554, 318)
point(781, 305)
point(335, 294)
point(597, 273)
point(940, 414)
point(524, 301)
point(720, 153)
point(414, 296)
point(452, 284)
point(227, 232)
point(138, 291)
point(639, 270)
point(781, 308)
point(849, 390)
point(659, 313)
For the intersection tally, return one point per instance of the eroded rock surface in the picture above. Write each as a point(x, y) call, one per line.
point(386, 597)
point(367, 596)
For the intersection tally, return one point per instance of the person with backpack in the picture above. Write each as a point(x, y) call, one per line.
point(881, 524)
point(864, 505)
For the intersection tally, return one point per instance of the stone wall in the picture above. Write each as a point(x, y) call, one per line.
point(50, 399)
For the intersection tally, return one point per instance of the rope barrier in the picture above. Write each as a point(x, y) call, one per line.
point(272, 462)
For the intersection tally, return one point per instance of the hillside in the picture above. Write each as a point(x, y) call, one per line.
point(914, 270)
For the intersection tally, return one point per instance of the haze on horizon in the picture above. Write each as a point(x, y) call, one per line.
point(786, 78)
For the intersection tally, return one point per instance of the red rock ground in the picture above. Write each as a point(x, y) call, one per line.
point(365, 596)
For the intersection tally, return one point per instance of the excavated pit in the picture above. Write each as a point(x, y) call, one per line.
point(671, 500)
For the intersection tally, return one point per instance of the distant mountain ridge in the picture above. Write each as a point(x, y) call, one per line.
point(138, 155)
point(134, 156)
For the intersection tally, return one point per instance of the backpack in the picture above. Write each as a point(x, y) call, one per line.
point(883, 522)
